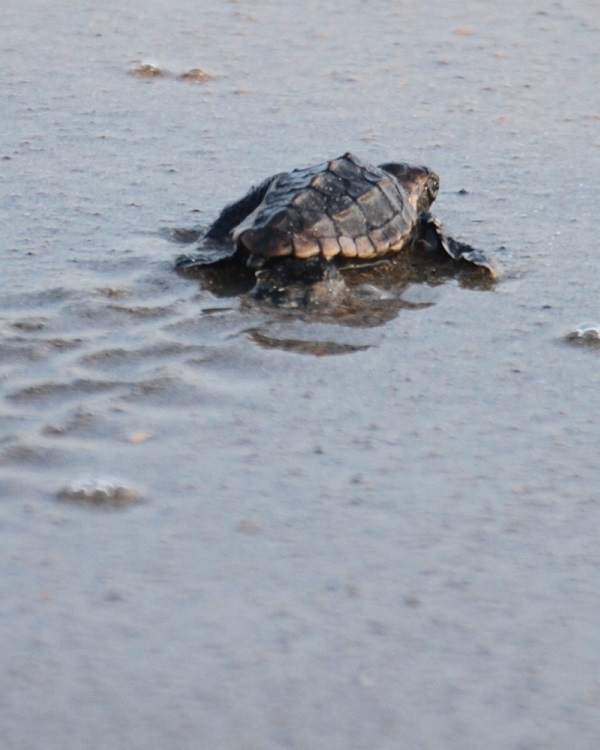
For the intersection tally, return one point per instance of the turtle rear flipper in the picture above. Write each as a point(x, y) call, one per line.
point(433, 235)
point(236, 212)
point(298, 283)
point(206, 253)
point(215, 244)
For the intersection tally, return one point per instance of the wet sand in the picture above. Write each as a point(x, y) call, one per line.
point(376, 532)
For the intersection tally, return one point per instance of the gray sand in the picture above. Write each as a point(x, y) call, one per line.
point(393, 547)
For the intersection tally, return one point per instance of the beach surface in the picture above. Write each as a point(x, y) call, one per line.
point(227, 526)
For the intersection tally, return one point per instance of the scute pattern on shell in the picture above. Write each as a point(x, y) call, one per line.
point(343, 207)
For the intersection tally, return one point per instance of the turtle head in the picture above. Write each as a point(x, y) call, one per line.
point(420, 183)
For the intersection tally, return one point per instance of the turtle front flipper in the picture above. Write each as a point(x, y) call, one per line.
point(432, 234)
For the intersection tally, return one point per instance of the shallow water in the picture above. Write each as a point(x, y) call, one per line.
point(375, 534)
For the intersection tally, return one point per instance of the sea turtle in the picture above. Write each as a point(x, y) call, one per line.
point(296, 228)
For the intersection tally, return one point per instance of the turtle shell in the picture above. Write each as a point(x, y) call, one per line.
point(343, 208)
